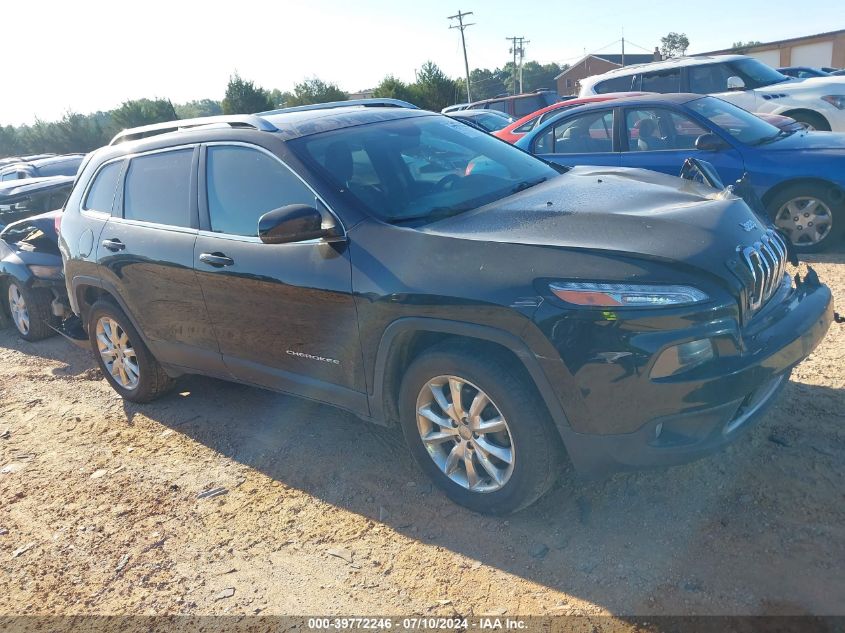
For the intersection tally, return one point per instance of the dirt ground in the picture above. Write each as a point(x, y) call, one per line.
point(101, 509)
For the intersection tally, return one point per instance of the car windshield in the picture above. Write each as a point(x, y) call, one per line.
point(420, 168)
point(756, 74)
point(741, 124)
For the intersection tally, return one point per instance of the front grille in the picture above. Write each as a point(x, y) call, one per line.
point(766, 261)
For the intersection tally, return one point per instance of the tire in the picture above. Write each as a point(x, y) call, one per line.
point(30, 310)
point(140, 381)
point(804, 210)
point(529, 436)
point(812, 120)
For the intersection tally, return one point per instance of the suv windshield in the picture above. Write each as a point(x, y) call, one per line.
point(421, 167)
point(756, 74)
point(739, 123)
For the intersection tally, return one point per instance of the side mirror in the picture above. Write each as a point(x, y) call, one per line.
point(295, 223)
point(735, 83)
point(710, 142)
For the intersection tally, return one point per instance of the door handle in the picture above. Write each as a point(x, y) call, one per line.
point(218, 260)
point(113, 245)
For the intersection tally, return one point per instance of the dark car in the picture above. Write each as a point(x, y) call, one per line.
point(21, 199)
point(519, 105)
point(65, 165)
point(799, 175)
point(31, 275)
point(487, 120)
point(504, 316)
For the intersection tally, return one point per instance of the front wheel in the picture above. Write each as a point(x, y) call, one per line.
point(810, 215)
point(478, 429)
point(124, 359)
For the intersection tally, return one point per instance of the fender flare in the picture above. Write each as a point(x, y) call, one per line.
point(468, 330)
point(96, 282)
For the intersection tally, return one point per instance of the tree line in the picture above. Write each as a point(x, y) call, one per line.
point(431, 90)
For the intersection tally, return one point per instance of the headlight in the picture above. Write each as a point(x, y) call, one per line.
point(837, 101)
point(46, 272)
point(625, 295)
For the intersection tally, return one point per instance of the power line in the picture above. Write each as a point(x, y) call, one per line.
point(460, 16)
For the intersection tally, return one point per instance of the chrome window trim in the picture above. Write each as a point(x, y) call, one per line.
point(264, 150)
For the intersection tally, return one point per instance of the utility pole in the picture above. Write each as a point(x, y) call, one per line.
point(517, 48)
point(460, 25)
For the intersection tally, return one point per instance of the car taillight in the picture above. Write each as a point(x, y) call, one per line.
point(58, 223)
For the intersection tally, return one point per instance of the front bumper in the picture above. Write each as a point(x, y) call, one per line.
point(702, 414)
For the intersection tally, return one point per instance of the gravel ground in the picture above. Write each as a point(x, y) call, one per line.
point(102, 509)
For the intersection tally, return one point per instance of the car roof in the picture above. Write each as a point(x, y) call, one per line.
point(285, 124)
point(674, 62)
point(13, 188)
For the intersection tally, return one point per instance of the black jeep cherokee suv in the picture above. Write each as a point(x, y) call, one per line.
point(413, 270)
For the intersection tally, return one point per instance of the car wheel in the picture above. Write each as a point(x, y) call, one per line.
point(811, 120)
point(31, 311)
point(810, 215)
point(478, 429)
point(123, 357)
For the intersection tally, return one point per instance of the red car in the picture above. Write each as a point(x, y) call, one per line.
point(513, 132)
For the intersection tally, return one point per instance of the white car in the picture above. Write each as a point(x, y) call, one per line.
point(818, 102)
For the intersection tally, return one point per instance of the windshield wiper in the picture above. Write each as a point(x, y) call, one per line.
point(437, 213)
point(772, 139)
point(527, 184)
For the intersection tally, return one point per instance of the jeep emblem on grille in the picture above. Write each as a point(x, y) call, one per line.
point(748, 225)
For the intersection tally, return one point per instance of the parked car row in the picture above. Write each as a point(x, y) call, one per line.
point(818, 102)
point(506, 312)
point(41, 166)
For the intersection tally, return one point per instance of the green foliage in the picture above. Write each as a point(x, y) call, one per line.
point(485, 83)
point(142, 112)
point(244, 97)
point(433, 90)
point(315, 91)
point(392, 88)
point(740, 47)
point(534, 76)
point(279, 98)
point(674, 44)
point(194, 109)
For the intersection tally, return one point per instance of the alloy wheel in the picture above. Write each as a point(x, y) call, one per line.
point(117, 353)
point(465, 434)
point(18, 309)
point(807, 220)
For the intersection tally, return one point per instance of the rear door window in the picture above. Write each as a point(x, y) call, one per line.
point(243, 184)
point(590, 133)
point(662, 81)
point(157, 188)
point(101, 194)
point(617, 84)
point(501, 106)
point(527, 105)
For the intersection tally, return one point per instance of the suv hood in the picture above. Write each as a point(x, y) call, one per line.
point(635, 212)
point(815, 84)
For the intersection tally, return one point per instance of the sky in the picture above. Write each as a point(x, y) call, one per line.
point(88, 55)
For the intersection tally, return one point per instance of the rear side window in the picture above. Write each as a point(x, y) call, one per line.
point(244, 184)
point(157, 188)
point(662, 81)
point(101, 194)
point(527, 105)
point(617, 84)
point(501, 106)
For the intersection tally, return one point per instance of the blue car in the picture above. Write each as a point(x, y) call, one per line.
point(798, 175)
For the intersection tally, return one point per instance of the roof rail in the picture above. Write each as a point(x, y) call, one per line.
point(371, 103)
point(233, 120)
